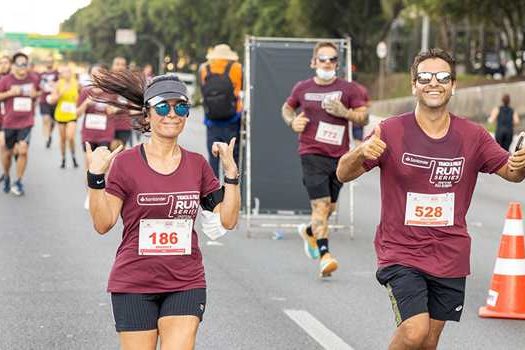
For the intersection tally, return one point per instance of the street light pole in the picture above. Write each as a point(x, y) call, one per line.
point(162, 49)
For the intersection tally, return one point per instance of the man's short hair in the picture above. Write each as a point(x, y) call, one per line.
point(324, 44)
point(506, 100)
point(432, 54)
point(20, 54)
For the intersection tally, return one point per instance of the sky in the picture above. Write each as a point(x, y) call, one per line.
point(37, 16)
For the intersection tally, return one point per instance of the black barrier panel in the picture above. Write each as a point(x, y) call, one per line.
point(275, 67)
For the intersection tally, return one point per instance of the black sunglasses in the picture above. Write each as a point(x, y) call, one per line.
point(426, 77)
point(324, 59)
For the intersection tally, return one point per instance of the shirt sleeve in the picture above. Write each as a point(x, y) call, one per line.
point(82, 97)
point(209, 182)
point(294, 99)
point(115, 184)
point(36, 82)
point(355, 96)
point(491, 156)
point(236, 77)
point(3, 84)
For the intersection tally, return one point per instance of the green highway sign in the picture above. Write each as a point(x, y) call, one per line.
point(61, 41)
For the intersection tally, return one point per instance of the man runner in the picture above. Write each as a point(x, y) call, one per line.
point(18, 91)
point(328, 103)
point(429, 161)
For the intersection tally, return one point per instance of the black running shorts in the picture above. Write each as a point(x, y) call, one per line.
point(47, 109)
point(319, 177)
point(141, 312)
point(413, 292)
point(123, 136)
point(95, 145)
point(13, 136)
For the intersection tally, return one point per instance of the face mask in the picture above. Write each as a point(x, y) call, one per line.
point(325, 75)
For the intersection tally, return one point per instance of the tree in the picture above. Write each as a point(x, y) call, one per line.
point(366, 21)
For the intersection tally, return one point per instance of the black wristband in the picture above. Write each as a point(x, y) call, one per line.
point(229, 181)
point(96, 181)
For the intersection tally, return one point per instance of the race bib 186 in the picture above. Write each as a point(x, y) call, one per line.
point(165, 236)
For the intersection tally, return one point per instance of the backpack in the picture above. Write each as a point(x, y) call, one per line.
point(219, 99)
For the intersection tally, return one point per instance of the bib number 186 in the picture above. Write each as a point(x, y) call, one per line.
point(164, 238)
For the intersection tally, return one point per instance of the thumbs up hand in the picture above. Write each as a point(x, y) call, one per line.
point(374, 147)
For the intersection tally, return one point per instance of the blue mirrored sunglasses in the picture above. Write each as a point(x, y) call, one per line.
point(181, 109)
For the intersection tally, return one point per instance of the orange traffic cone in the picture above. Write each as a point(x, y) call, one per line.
point(506, 297)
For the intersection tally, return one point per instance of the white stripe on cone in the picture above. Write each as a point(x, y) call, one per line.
point(510, 267)
point(513, 227)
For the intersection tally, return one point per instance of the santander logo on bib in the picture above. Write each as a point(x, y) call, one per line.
point(180, 204)
point(444, 171)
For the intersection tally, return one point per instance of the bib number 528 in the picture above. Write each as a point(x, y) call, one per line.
point(428, 212)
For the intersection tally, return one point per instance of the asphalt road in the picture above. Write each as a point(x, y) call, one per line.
point(263, 293)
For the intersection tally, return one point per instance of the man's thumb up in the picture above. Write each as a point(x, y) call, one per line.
point(377, 131)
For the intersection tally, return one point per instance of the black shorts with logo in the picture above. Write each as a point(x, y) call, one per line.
point(319, 176)
point(413, 292)
point(13, 136)
point(141, 312)
point(47, 109)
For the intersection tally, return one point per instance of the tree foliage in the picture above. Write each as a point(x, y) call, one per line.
point(189, 27)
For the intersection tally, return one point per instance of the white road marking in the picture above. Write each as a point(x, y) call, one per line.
point(315, 329)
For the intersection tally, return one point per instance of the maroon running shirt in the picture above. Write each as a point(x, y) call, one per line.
point(413, 162)
point(19, 110)
point(96, 126)
point(47, 80)
point(122, 119)
point(2, 106)
point(309, 96)
point(173, 196)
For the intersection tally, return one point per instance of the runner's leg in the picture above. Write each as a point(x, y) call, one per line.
point(178, 332)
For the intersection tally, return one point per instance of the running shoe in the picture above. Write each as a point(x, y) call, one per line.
point(17, 189)
point(310, 244)
point(7, 184)
point(75, 164)
point(63, 164)
point(48, 142)
point(327, 265)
